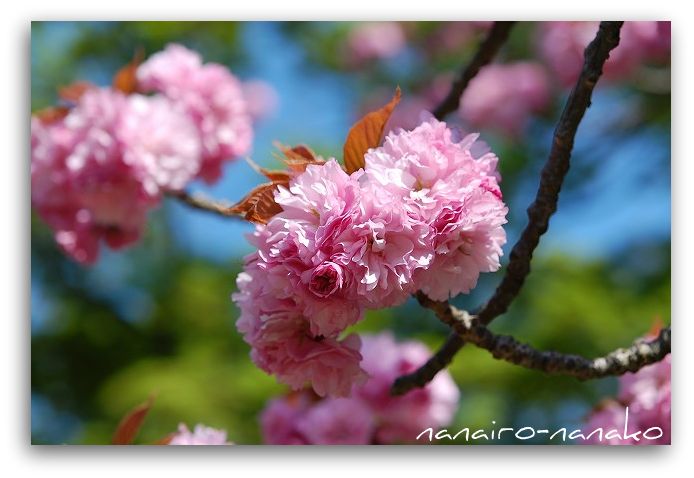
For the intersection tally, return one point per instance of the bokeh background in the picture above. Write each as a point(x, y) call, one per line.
point(158, 319)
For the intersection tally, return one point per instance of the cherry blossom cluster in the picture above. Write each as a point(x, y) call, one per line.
point(98, 169)
point(426, 213)
point(201, 435)
point(647, 394)
point(370, 415)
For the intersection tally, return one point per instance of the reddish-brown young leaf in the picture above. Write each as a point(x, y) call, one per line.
point(366, 133)
point(74, 91)
point(298, 157)
point(125, 79)
point(303, 151)
point(275, 175)
point(52, 114)
point(265, 206)
point(259, 205)
point(271, 174)
point(130, 424)
point(300, 151)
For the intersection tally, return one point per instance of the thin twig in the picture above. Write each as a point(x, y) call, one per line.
point(540, 211)
point(204, 204)
point(487, 50)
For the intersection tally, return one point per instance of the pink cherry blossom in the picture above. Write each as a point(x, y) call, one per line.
point(283, 344)
point(211, 96)
point(337, 421)
point(96, 172)
point(201, 435)
point(426, 155)
point(278, 421)
point(425, 214)
point(503, 97)
point(360, 227)
point(384, 245)
point(468, 236)
point(647, 395)
point(301, 254)
point(454, 190)
point(370, 414)
point(606, 425)
point(162, 139)
point(400, 419)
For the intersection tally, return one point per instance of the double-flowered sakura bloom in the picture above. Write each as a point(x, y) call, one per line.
point(370, 414)
point(201, 435)
point(425, 214)
point(98, 169)
point(562, 45)
point(210, 95)
point(504, 96)
point(96, 172)
point(647, 394)
point(452, 188)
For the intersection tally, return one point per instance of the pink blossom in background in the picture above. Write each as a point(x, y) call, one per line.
point(96, 172)
point(210, 95)
point(279, 419)
point(647, 393)
point(370, 414)
point(337, 421)
point(426, 214)
point(504, 96)
point(562, 44)
point(610, 415)
point(400, 419)
point(372, 41)
point(162, 139)
point(201, 435)
point(261, 99)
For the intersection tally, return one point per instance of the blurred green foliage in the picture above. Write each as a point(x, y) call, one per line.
point(93, 358)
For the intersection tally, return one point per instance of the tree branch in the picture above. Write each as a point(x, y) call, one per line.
point(540, 211)
point(487, 50)
point(204, 204)
point(471, 329)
